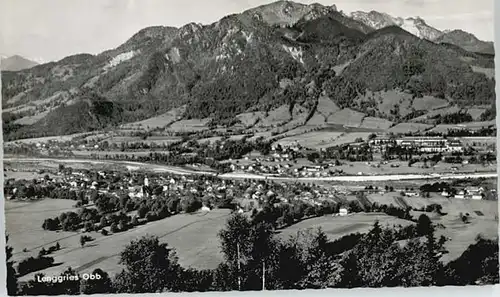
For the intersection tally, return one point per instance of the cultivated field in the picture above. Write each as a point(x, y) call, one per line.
point(193, 236)
point(336, 227)
point(353, 168)
point(250, 118)
point(48, 138)
point(326, 107)
point(409, 127)
point(30, 120)
point(387, 101)
point(275, 117)
point(189, 125)
point(482, 219)
point(296, 131)
point(476, 112)
point(350, 138)
point(158, 121)
point(282, 116)
point(212, 140)
point(112, 153)
point(435, 112)
point(317, 120)
point(489, 72)
point(152, 139)
point(312, 139)
point(376, 123)
point(23, 223)
point(471, 125)
point(429, 103)
point(26, 175)
point(347, 117)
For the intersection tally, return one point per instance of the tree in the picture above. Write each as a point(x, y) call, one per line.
point(415, 264)
point(84, 239)
point(314, 265)
point(48, 224)
point(114, 228)
point(58, 246)
point(477, 265)
point(424, 225)
point(97, 286)
point(235, 245)
point(103, 222)
point(11, 272)
point(150, 267)
point(42, 252)
point(122, 225)
point(191, 204)
point(142, 211)
point(34, 287)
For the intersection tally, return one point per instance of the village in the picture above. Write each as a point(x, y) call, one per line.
point(377, 155)
point(209, 192)
point(396, 154)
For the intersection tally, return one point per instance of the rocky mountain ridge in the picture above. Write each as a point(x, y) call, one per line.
point(238, 65)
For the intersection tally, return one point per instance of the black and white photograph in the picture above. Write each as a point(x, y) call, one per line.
point(159, 146)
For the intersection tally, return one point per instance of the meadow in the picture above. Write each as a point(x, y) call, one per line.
point(482, 219)
point(194, 237)
point(337, 226)
point(159, 121)
point(189, 125)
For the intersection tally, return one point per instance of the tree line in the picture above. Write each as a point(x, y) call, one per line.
point(255, 257)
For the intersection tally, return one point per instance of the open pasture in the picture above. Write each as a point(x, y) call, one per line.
point(336, 226)
point(194, 237)
point(192, 125)
point(311, 139)
point(249, 119)
point(409, 127)
point(346, 117)
point(489, 72)
point(159, 121)
point(443, 128)
point(436, 112)
point(427, 103)
point(460, 234)
point(376, 123)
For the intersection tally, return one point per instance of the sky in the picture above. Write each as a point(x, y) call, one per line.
point(49, 30)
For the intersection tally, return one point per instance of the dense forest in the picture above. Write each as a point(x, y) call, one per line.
point(238, 64)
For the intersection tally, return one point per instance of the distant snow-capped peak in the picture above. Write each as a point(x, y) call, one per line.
point(415, 25)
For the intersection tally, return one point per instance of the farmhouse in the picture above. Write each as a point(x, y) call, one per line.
point(343, 212)
point(381, 142)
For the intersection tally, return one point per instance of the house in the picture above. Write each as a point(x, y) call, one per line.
point(474, 189)
point(459, 196)
point(205, 208)
point(411, 194)
point(343, 212)
point(476, 197)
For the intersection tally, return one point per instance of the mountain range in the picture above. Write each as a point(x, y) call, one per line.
point(280, 54)
point(15, 63)
point(418, 27)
